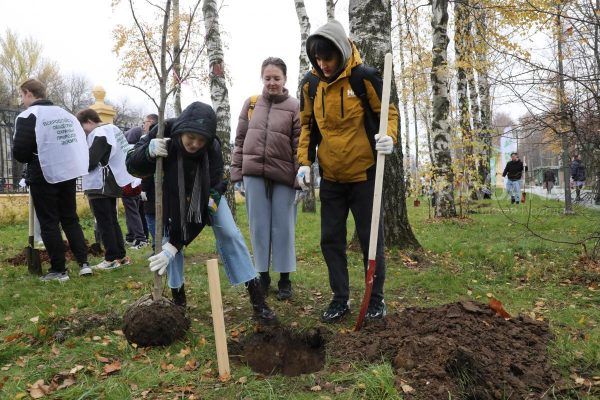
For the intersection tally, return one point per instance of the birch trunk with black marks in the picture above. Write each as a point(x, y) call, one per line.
point(219, 94)
point(177, 59)
point(370, 29)
point(486, 131)
point(402, 42)
point(461, 25)
point(563, 126)
point(330, 9)
point(443, 177)
point(309, 203)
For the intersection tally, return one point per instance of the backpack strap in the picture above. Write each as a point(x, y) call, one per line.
point(253, 100)
point(315, 133)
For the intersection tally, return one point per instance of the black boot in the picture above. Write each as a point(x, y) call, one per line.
point(265, 282)
point(262, 312)
point(285, 287)
point(179, 296)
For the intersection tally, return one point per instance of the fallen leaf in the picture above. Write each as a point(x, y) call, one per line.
point(76, 369)
point(35, 319)
point(407, 389)
point(191, 365)
point(242, 380)
point(315, 388)
point(112, 368)
point(496, 305)
point(184, 352)
point(66, 383)
point(55, 350)
point(102, 359)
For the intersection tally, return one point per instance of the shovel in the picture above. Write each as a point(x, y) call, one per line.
point(383, 123)
point(34, 266)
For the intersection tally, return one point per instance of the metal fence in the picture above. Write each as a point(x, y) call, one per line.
point(10, 170)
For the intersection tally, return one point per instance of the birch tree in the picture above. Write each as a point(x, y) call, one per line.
point(443, 177)
point(177, 58)
point(218, 87)
point(402, 44)
point(309, 203)
point(370, 29)
point(330, 9)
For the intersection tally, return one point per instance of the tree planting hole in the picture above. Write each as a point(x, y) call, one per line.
point(282, 352)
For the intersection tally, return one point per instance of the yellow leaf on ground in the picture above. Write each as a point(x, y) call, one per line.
point(184, 352)
point(101, 358)
point(35, 319)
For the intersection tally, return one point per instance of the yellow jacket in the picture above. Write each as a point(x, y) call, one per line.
point(344, 152)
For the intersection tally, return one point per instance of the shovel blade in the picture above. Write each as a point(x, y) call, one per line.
point(34, 265)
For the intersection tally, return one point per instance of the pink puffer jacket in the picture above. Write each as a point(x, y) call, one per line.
point(267, 144)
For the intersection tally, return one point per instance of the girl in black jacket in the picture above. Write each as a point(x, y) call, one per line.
point(192, 188)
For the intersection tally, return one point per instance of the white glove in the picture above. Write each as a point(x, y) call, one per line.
point(384, 144)
point(158, 147)
point(303, 177)
point(143, 196)
point(160, 261)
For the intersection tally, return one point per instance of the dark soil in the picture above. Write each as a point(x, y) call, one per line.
point(79, 324)
point(154, 323)
point(21, 258)
point(462, 349)
point(280, 351)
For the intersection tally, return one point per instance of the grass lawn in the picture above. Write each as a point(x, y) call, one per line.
point(70, 334)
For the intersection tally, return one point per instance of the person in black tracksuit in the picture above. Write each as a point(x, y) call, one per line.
point(55, 203)
point(578, 175)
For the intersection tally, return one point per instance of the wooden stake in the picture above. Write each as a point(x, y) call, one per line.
point(214, 288)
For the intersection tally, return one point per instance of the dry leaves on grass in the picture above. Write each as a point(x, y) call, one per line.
point(111, 368)
point(498, 308)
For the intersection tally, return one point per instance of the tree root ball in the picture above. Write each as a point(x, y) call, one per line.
point(154, 323)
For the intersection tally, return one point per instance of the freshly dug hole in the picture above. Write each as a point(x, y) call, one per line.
point(280, 351)
point(154, 323)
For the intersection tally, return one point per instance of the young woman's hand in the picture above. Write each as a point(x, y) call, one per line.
point(159, 262)
point(158, 147)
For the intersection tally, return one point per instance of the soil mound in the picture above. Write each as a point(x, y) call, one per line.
point(154, 323)
point(461, 349)
point(280, 351)
point(21, 258)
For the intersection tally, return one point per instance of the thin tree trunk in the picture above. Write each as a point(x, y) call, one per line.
point(370, 28)
point(561, 108)
point(309, 203)
point(442, 168)
point(330, 9)
point(177, 55)
point(486, 130)
point(404, 91)
point(462, 64)
point(218, 88)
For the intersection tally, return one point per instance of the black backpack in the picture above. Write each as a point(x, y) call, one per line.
point(357, 76)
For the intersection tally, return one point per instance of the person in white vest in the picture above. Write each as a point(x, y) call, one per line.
point(52, 143)
point(103, 185)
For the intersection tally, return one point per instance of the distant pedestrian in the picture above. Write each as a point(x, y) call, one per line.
point(549, 181)
point(578, 175)
point(514, 173)
point(52, 143)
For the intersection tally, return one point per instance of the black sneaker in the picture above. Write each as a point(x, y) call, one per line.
point(179, 296)
point(55, 276)
point(285, 290)
point(335, 311)
point(376, 310)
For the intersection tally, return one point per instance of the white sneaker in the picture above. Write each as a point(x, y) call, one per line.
point(85, 270)
point(106, 265)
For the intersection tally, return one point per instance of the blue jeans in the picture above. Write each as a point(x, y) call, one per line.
point(230, 245)
point(514, 190)
point(151, 221)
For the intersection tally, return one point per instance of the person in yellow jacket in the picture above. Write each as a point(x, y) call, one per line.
point(338, 128)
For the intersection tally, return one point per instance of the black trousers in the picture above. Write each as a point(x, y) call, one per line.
point(337, 199)
point(105, 212)
point(55, 206)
